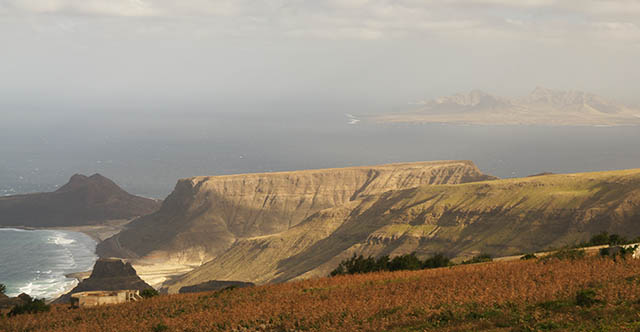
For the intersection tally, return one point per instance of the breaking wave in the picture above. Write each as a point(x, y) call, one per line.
point(36, 262)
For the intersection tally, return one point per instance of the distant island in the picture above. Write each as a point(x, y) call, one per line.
point(541, 107)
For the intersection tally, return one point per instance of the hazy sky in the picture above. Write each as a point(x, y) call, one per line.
point(140, 54)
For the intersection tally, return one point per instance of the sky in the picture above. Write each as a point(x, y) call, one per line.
point(137, 55)
point(147, 91)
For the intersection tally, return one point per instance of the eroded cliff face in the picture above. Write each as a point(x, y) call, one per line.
point(503, 217)
point(204, 216)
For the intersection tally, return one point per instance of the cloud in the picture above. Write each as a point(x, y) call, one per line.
point(361, 19)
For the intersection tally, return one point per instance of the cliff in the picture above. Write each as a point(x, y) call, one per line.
point(204, 216)
point(502, 217)
point(108, 275)
point(82, 201)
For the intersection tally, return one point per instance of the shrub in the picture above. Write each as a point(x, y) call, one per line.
point(586, 298)
point(566, 254)
point(618, 251)
point(159, 328)
point(438, 260)
point(405, 262)
point(482, 258)
point(31, 306)
point(606, 238)
point(617, 239)
point(359, 264)
point(599, 239)
point(148, 293)
point(528, 256)
point(3, 288)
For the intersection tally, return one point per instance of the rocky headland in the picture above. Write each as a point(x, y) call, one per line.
point(84, 200)
point(108, 274)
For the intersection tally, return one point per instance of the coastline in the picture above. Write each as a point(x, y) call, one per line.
point(152, 272)
point(98, 232)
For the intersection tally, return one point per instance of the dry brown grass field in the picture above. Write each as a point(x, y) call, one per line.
point(531, 295)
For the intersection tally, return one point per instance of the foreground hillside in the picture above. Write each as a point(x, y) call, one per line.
point(563, 295)
point(204, 216)
point(84, 200)
point(501, 218)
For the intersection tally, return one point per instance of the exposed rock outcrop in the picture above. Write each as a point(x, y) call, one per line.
point(82, 201)
point(502, 217)
point(204, 216)
point(109, 274)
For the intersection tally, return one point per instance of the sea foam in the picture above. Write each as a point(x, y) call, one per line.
point(36, 262)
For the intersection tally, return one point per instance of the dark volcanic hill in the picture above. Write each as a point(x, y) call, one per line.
point(82, 201)
point(108, 274)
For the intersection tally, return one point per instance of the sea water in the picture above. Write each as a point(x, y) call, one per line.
point(148, 157)
point(35, 262)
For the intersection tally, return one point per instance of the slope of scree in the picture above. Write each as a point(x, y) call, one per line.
point(204, 216)
point(501, 218)
point(82, 201)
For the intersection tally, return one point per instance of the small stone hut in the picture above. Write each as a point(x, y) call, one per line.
point(95, 298)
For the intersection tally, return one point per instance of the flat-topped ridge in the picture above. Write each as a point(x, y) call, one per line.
point(416, 164)
point(204, 215)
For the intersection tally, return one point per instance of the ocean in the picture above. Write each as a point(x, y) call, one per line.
point(147, 158)
point(35, 262)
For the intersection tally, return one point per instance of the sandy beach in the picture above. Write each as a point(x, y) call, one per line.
point(98, 232)
point(153, 273)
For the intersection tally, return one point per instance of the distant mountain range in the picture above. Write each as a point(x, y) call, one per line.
point(84, 200)
point(541, 107)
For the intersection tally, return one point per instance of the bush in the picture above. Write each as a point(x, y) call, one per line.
point(405, 262)
point(566, 254)
point(3, 288)
point(618, 251)
point(586, 298)
point(605, 238)
point(159, 328)
point(438, 260)
point(31, 306)
point(148, 293)
point(482, 258)
point(528, 256)
point(359, 264)
point(599, 239)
